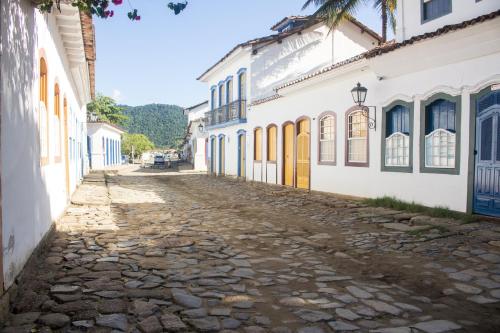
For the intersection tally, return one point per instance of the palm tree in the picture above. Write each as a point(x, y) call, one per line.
point(335, 11)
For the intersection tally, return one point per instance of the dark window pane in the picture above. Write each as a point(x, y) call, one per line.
point(398, 119)
point(432, 9)
point(486, 139)
point(440, 114)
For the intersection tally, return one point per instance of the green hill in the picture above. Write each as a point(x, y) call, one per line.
point(163, 124)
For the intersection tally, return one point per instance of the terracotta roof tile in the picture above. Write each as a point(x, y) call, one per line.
point(266, 99)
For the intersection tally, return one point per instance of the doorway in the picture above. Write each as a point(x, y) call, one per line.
point(288, 139)
point(487, 155)
point(303, 154)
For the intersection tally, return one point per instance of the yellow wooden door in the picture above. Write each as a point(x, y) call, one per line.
point(242, 156)
point(303, 155)
point(288, 155)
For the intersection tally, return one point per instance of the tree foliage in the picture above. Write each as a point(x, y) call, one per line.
point(335, 11)
point(136, 143)
point(102, 9)
point(105, 109)
point(163, 124)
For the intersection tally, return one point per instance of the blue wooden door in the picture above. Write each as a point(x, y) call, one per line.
point(487, 156)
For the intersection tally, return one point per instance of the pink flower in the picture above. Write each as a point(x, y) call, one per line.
point(111, 13)
point(137, 18)
point(117, 2)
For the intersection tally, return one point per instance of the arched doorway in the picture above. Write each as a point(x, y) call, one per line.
point(288, 140)
point(222, 155)
point(242, 154)
point(303, 157)
point(487, 155)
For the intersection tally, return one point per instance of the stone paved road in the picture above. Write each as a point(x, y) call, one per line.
point(156, 251)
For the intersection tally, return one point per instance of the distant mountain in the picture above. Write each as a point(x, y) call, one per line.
point(163, 124)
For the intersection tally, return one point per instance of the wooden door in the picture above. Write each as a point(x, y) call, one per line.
point(222, 156)
point(212, 155)
point(487, 150)
point(242, 155)
point(303, 154)
point(66, 149)
point(288, 155)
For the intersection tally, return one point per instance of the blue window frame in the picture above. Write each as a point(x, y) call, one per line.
point(397, 140)
point(213, 97)
point(222, 98)
point(440, 134)
point(229, 90)
point(432, 9)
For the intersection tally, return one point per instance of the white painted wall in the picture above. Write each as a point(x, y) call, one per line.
point(33, 195)
point(407, 79)
point(300, 54)
point(197, 139)
point(409, 18)
point(97, 133)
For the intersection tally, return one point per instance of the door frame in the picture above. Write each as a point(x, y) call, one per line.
point(66, 146)
point(471, 172)
point(222, 153)
point(283, 152)
point(241, 151)
point(296, 133)
point(213, 161)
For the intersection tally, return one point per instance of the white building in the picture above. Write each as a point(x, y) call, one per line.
point(104, 142)
point(47, 79)
point(429, 134)
point(196, 141)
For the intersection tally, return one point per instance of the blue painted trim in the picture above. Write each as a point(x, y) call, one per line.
point(212, 136)
point(241, 132)
point(241, 70)
point(229, 123)
point(230, 77)
point(221, 135)
point(213, 87)
point(221, 82)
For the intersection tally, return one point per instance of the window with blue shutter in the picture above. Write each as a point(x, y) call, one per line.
point(397, 137)
point(432, 9)
point(440, 134)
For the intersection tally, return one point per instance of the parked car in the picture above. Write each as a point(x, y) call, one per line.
point(159, 160)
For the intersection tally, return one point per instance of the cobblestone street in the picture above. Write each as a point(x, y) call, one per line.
point(157, 251)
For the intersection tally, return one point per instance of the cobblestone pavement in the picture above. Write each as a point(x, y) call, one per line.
point(156, 251)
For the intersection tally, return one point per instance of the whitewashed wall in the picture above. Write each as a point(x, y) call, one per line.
point(299, 54)
point(230, 68)
point(406, 79)
point(409, 19)
point(33, 196)
point(96, 132)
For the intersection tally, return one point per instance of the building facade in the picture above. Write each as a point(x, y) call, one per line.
point(47, 75)
point(104, 142)
point(196, 140)
point(426, 131)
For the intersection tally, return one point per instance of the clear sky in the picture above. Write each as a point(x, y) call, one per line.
point(157, 59)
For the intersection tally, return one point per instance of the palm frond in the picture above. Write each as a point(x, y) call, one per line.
point(335, 11)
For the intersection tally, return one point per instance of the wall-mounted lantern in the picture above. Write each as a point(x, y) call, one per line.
point(200, 128)
point(359, 96)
